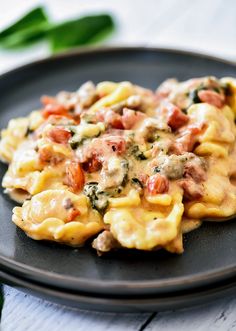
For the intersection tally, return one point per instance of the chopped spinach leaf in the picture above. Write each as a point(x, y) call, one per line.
point(98, 198)
point(28, 131)
point(153, 137)
point(193, 95)
point(88, 118)
point(75, 141)
point(156, 170)
point(135, 151)
point(136, 182)
point(125, 166)
point(216, 89)
point(74, 144)
point(72, 129)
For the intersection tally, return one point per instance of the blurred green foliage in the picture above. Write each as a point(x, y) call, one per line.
point(36, 26)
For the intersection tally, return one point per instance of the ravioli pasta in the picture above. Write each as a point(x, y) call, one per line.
point(123, 165)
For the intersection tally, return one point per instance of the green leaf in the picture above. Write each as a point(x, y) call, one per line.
point(25, 37)
point(80, 32)
point(35, 26)
point(33, 18)
point(30, 28)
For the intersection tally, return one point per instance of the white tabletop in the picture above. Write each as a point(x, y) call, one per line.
point(204, 25)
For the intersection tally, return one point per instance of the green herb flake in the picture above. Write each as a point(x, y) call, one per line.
point(138, 155)
point(136, 182)
point(97, 197)
point(156, 170)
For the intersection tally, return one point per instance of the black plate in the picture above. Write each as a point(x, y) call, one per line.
point(128, 304)
point(210, 252)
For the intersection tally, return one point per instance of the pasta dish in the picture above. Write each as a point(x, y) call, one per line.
point(123, 166)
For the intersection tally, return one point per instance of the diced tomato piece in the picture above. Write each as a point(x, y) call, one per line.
point(59, 135)
point(100, 150)
point(117, 124)
point(110, 117)
point(192, 190)
point(186, 142)
point(125, 121)
point(157, 184)
point(74, 176)
point(93, 164)
point(59, 111)
point(175, 117)
point(48, 100)
point(72, 214)
point(131, 117)
point(75, 117)
point(113, 119)
point(55, 118)
point(45, 155)
point(100, 115)
point(117, 144)
point(54, 109)
point(212, 98)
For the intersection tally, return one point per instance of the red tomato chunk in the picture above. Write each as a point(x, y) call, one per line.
point(176, 118)
point(93, 164)
point(117, 144)
point(73, 213)
point(187, 140)
point(74, 176)
point(211, 97)
point(54, 109)
point(157, 184)
point(59, 135)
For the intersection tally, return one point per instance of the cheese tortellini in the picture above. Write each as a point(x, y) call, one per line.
point(126, 166)
point(48, 215)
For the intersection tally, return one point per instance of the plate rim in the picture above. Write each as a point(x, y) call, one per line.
point(130, 287)
point(186, 300)
point(116, 48)
point(97, 286)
